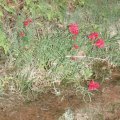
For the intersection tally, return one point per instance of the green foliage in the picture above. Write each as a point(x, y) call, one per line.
point(52, 52)
point(3, 41)
point(4, 6)
point(49, 11)
point(1, 14)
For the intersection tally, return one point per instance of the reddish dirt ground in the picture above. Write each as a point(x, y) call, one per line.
point(51, 107)
point(48, 107)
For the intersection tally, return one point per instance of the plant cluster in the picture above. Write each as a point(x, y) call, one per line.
point(65, 56)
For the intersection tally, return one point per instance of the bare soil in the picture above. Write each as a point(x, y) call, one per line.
point(105, 105)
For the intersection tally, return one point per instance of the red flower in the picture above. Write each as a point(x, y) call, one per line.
point(73, 58)
point(93, 85)
point(100, 43)
point(22, 34)
point(73, 28)
point(27, 22)
point(75, 46)
point(93, 36)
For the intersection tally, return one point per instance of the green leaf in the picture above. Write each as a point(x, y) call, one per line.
point(28, 2)
point(3, 41)
point(25, 38)
point(1, 14)
point(9, 9)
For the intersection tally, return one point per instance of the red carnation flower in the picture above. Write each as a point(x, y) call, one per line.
point(22, 34)
point(100, 43)
point(73, 28)
point(75, 46)
point(93, 36)
point(93, 85)
point(27, 22)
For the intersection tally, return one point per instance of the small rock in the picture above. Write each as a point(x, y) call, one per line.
point(68, 115)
